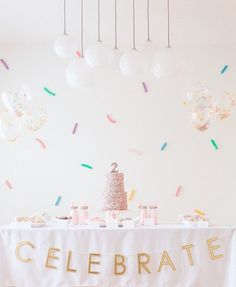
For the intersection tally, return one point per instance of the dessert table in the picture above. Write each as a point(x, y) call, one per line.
point(160, 256)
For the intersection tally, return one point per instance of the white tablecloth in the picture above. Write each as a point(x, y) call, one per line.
point(147, 257)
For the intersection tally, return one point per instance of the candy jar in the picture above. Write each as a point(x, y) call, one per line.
point(143, 214)
point(74, 214)
point(84, 214)
point(153, 213)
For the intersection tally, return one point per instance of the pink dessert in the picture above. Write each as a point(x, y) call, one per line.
point(114, 197)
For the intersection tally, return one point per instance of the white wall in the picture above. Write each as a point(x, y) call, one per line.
point(144, 122)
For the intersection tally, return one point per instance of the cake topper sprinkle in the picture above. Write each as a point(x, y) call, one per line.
point(114, 166)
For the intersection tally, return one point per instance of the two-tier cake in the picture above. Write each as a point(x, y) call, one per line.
point(114, 196)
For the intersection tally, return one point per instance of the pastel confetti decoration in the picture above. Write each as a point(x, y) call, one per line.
point(75, 128)
point(224, 69)
point(131, 195)
point(4, 64)
point(49, 92)
point(178, 191)
point(214, 144)
point(58, 201)
point(8, 184)
point(78, 54)
point(145, 87)
point(110, 119)
point(163, 146)
point(86, 165)
point(199, 212)
point(41, 143)
point(138, 152)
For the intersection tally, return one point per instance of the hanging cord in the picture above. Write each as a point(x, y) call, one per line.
point(82, 27)
point(99, 23)
point(115, 44)
point(134, 43)
point(64, 18)
point(168, 22)
point(148, 20)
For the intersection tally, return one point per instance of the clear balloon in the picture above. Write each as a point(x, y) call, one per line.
point(35, 117)
point(65, 46)
point(98, 55)
point(200, 120)
point(14, 102)
point(78, 74)
point(166, 63)
point(224, 105)
point(116, 61)
point(9, 127)
point(149, 49)
point(133, 63)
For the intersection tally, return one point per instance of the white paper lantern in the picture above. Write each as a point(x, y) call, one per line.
point(65, 46)
point(149, 49)
point(166, 63)
point(78, 74)
point(133, 63)
point(98, 55)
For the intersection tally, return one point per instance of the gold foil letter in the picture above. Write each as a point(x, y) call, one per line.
point(17, 251)
point(68, 268)
point(213, 247)
point(188, 248)
point(143, 263)
point(165, 260)
point(93, 262)
point(119, 261)
point(51, 255)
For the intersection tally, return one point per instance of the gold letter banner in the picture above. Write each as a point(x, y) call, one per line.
point(17, 251)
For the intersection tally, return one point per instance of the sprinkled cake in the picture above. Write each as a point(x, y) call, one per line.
point(114, 197)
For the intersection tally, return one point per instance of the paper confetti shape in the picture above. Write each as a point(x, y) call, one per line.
point(4, 64)
point(41, 143)
point(58, 200)
point(145, 87)
point(163, 146)
point(136, 151)
point(131, 195)
point(214, 144)
point(224, 69)
point(50, 93)
point(111, 119)
point(178, 191)
point(199, 212)
point(78, 54)
point(86, 165)
point(75, 128)
point(8, 184)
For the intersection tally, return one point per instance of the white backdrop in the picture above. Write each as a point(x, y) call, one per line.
point(144, 122)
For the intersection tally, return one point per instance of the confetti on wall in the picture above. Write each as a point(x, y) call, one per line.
point(8, 184)
point(111, 119)
point(131, 195)
point(86, 165)
point(163, 146)
point(214, 144)
point(199, 212)
point(145, 87)
point(78, 54)
point(75, 128)
point(136, 151)
point(58, 200)
point(41, 143)
point(4, 64)
point(224, 69)
point(178, 191)
point(50, 93)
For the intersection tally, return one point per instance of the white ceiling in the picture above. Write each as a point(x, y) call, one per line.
point(193, 22)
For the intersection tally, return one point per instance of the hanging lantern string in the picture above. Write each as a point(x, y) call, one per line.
point(64, 18)
point(99, 23)
point(148, 20)
point(82, 27)
point(134, 43)
point(115, 46)
point(168, 22)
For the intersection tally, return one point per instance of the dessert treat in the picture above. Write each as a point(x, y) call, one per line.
point(114, 197)
point(194, 220)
